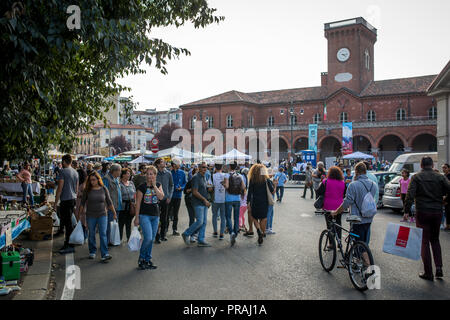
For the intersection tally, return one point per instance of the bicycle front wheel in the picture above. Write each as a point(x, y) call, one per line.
point(327, 250)
point(360, 258)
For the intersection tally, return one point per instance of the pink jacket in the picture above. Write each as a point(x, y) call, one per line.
point(334, 194)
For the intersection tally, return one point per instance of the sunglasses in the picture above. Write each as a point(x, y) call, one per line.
point(204, 167)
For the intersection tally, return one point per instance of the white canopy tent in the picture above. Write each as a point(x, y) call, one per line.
point(140, 159)
point(233, 155)
point(358, 155)
point(176, 152)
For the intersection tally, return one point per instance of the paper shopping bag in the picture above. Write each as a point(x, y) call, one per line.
point(403, 241)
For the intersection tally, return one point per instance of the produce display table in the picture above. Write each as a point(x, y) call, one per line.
point(17, 187)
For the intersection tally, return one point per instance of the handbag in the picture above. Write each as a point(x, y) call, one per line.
point(130, 207)
point(269, 195)
point(318, 204)
point(403, 241)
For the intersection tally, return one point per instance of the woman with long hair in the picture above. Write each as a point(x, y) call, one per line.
point(128, 191)
point(148, 196)
point(25, 178)
point(96, 200)
point(257, 198)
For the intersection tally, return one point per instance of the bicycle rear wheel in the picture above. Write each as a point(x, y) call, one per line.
point(327, 250)
point(360, 258)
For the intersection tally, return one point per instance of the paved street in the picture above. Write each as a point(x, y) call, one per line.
point(286, 266)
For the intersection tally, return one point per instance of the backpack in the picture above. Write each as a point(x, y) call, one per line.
point(235, 184)
point(369, 206)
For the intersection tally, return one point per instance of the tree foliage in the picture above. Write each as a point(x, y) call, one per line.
point(120, 144)
point(55, 81)
point(164, 136)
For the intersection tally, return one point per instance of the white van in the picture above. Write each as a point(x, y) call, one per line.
point(411, 161)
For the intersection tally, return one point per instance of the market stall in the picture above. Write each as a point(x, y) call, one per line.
point(235, 155)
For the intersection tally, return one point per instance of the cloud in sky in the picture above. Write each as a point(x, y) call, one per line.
point(269, 45)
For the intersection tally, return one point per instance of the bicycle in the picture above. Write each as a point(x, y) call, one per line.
point(357, 257)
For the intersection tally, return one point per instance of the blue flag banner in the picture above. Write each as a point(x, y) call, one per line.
point(312, 137)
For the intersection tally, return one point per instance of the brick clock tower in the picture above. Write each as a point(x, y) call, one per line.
point(350, 54)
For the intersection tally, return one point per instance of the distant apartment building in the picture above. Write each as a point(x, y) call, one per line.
point(154, 120)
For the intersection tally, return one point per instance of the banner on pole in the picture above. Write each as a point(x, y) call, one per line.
point(312, 137)
point(347, 138)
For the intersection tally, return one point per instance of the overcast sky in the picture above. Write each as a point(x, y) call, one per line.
point(268, 45)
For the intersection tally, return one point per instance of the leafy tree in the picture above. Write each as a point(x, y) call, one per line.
point(120, 144)
point(164, 136)
point(55, 82)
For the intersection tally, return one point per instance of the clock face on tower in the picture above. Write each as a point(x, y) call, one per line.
point(343, 54)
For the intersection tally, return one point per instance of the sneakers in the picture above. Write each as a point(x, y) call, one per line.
point(203, 244)
point(270, 231)
point(233, 239)
point(142, 265)
point(185, 239)
point(249, 234)
point(221, 237)
point(215, 234)
point(439, 274)
point(67, 250)
point(92, 256)
point(158, 241)
point(150, 265)
point(175, 233)
point(163, 239)
point(106, 258)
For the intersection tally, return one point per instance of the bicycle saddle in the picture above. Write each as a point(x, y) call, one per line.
point(353, 218)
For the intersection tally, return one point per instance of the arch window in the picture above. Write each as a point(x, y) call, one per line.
point(432, 113)
point(401, 115)
point(317, 118)
point(343, 117)
point(371, 116)
point(229, 121)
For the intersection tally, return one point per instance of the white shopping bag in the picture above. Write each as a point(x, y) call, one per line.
point(403, 241)
point(114, 235)
point(134, 244)
point(56, 221)
point(74, 220)
point(77, 236)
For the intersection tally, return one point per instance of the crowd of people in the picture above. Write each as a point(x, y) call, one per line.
point(241, 198)
point(151, 197)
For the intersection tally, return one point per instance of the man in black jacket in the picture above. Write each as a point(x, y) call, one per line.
point(428, 189)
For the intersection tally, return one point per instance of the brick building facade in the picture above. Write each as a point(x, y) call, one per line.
point(389, 117)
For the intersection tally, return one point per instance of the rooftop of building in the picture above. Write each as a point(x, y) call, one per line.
point(412, 85)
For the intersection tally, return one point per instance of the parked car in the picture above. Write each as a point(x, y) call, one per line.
point(383, 178)
point(391, 196)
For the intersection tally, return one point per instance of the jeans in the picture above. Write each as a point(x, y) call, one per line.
point(149, 225)
point(269, 218)
point(235, 206)
point(26, 189)
point(201, 214)
point(174, 207)
point(102, 226)
point(108, 227)
point(66, 209)
point(215, 208)
point(280, 192)
point(430, 222)
point(125, 220)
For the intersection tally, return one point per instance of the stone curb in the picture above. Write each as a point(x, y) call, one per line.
point(36, 280)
